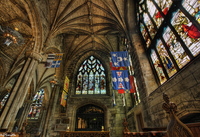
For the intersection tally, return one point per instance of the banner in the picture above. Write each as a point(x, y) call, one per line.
point(54, 60)
point(63, 99)
point(133, 89)
point(120, 59)
point(65, 92)
point(120, 79)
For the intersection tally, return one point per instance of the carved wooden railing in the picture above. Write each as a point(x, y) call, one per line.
point(175, 127)
point(85, 134)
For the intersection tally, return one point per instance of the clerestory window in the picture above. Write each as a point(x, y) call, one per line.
point(91, 78)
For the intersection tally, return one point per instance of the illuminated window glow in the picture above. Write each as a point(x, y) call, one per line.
point(158, 67)
point(187, 31)
point(175, 48)
point(91, 77)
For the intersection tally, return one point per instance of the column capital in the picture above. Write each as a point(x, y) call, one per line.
point(34, 55)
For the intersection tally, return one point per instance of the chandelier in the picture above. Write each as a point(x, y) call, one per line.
point(11, 36)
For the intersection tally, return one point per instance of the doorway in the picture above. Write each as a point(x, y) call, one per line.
point(89, 118)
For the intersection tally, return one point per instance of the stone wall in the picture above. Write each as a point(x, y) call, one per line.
point(113, 116)
point(183, 89)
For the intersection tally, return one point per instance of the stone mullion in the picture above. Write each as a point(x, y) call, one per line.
point(20, 96)
point(14, 92)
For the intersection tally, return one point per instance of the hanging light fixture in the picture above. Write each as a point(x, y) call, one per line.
point(53, 82)
point(11, 36)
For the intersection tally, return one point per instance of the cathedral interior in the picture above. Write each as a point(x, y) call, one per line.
point(56, 64)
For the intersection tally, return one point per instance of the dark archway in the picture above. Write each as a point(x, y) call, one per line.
point(89, 118)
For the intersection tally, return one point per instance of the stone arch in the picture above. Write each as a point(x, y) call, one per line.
point(89, 101)
point(105, 64)
point(36, 24)
point(183, 115)
point(190, 117)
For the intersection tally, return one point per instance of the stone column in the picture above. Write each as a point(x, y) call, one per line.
point(144, 72)
point(43, 118)
point(56, 96)
point(19, 92)
point(14, 92)
point(24, 115)
point(51, 109)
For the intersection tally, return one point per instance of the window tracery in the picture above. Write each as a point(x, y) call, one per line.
point(177, 43)
point(91, 78)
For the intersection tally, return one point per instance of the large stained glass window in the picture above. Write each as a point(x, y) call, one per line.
point(158, 67)
point(91, 78)
point(171, 32)
point(175, 48)
point(36, 105)
point(187, 31)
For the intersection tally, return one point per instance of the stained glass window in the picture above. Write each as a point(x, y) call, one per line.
point(168, 64)
point(158, 67)
point(91, 78)
point(3, 101)
point(36, 105)
point(193, 7)
point(148, 23)
point(178, 39)
point(145, 34)
point(187, 31)
point(175, 48)
point(154, 13)
point(164, 5)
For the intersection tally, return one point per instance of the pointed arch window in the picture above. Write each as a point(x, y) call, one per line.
point(91, 78)
point(3, 101)
point(36, 105)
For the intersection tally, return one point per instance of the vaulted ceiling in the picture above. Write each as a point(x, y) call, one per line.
point(73, 27)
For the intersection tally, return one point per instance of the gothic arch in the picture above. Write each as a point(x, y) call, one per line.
point(105, 65)
point(92, 102)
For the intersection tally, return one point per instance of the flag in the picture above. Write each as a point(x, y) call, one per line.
point(133, 89)
point(121, 91)
point(54, 60)
point(65, 92)
point(66, 84)
point(63, 98)
point(113, 98)
point(117, 68)
point(120, 59)
point(120, 79)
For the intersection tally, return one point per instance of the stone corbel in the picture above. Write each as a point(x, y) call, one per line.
point(35, 55)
